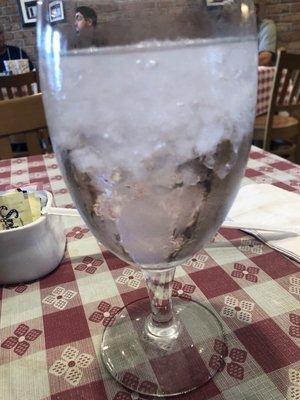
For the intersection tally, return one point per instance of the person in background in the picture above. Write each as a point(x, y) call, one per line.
point(85, 19)
point(267, 39)
point(10, 53)
point(86, 28)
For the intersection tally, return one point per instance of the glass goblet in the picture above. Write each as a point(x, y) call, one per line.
point(150, 107)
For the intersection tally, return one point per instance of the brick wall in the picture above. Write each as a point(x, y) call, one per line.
point(15, 34)
point(285, 13)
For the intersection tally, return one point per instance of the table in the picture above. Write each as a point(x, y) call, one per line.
point(47, 328)
point(265, 82)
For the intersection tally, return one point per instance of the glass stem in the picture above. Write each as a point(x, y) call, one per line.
point(159, 284)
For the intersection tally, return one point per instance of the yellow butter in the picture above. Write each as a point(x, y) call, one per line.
point(18, 208)
point(2, 225)
point(35, 206)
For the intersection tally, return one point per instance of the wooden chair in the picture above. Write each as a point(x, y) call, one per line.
point(23, 116)
point(280, 133)
point(18, 85)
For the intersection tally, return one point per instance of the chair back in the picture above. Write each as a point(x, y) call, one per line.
point(24, 115)
point(19, 85)
point(285, 94)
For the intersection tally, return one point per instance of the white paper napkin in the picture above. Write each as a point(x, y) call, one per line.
point(267, 204)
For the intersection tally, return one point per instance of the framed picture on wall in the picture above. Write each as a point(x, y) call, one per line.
point(214, 3)
point(28, 11)
point(56, 11)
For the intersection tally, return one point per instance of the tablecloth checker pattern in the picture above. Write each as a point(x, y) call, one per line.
point(51, 329)
point(265, 82)
point(264, 89)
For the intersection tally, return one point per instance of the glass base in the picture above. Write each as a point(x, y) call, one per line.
point(174, 362)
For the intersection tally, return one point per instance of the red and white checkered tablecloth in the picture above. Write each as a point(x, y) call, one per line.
point(50, 338)
point(265, 82)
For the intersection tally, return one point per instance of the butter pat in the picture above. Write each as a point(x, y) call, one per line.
point(18, 208)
